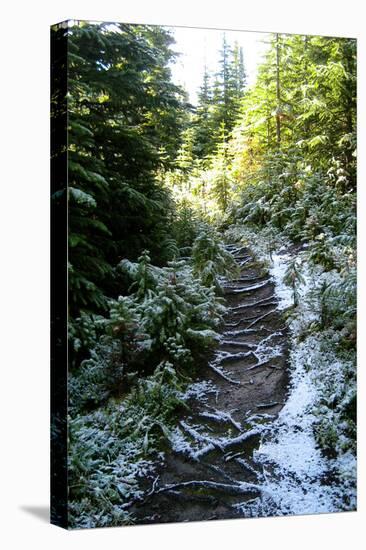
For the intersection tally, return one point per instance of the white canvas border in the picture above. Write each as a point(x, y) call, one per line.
point(25, 271)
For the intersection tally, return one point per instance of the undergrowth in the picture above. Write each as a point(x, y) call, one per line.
point(139, 359)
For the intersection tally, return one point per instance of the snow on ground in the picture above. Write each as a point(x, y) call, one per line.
point(289, 452)
point(297, 475)
point(296, 472)
point(199, 390)
point(283, 292)
point(297, 478)
point(277, 271)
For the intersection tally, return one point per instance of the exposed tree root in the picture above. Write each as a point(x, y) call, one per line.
point(219, 443)
point(242, 320)
point(259, 306)
point(212, 443)
point(263, 328)
point(228, 488)
point(270, 373)
point(152, 490)
point(247, 467)
point(263, 364)
point(249, 288)
point(244, 263)
point(252, 304)
point(234, 248)
point(222, 417)
point(216, 447)
point(232, 325)
point(238, 344)
point(231, 456)
point(233, 357)
point(220, 472)
point(261, 318)
point(221, 373)
point(267, 338)
point(248, 279)
point(245, 319)
point(268, 405)
point(242, 257)
point(240, 332)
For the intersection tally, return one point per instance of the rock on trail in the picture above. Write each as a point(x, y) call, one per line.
point(208, 470)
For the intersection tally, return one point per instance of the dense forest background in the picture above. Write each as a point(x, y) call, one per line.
point(156, 185)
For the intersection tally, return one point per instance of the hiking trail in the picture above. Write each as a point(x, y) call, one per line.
point(209, 471)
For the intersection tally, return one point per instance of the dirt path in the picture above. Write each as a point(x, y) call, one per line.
point(208, 471)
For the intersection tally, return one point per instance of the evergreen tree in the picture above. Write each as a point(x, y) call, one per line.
point(202, 121)
point(125, 118)
point(304, 99)
point(219, 103)
point(238, 76)
point(230, 85)
point(221, 182)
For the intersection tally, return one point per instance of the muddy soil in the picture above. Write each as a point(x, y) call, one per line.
point(214, 471)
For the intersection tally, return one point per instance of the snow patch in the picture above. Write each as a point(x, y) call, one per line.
point(199, 391)
point(299, 472)
point(298, 477)
point(277, 271)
